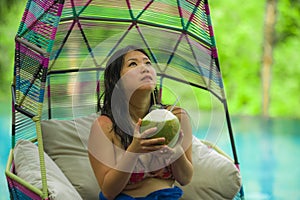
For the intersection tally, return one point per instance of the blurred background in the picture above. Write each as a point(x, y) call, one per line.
point(258, 44)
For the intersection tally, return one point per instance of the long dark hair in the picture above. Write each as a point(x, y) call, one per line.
point(118, 112)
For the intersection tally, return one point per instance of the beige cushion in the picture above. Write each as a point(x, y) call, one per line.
point(215, 176)
point(27, 165)
point(65, 141)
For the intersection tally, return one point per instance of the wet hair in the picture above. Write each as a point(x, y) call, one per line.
point(118, 112)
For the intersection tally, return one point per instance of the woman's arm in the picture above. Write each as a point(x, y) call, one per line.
point(113, 165)
point(103, 157)
point(182, 167)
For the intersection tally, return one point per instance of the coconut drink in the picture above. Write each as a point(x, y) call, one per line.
point(168, 125)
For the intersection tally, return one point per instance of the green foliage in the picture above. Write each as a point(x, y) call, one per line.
point(285, 79)
point(239, 34)
point(286, 68)
point(288, 24)
point(238, 29)
point(10, 17)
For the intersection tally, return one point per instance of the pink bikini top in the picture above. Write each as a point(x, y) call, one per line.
point(139, 174)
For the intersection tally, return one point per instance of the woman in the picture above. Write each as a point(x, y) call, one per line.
point(126, 163)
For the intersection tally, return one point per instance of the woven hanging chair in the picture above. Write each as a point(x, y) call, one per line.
point(62, 47)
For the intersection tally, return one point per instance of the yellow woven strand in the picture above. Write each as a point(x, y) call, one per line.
point(37, 121)
point(21, 181)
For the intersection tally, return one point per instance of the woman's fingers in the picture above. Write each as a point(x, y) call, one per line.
point(153, 142)
point(137, 129)
point(147, 133)
point(151, 148)
point(142, 143)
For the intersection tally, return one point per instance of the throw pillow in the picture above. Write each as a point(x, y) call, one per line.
point(65, 141)
point(27, 165)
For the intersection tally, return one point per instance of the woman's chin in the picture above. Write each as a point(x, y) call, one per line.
point(149, 87)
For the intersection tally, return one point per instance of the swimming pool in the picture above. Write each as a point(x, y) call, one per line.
point(268, 152)
point(4, 151)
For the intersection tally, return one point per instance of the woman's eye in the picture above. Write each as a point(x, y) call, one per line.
point(148, 63)
point(133, 64)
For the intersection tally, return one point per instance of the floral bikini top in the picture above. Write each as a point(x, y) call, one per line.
point(141, 172)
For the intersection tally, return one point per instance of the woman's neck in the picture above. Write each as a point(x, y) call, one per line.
point(139, 105)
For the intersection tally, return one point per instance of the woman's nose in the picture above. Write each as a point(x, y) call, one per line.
point(144, 68)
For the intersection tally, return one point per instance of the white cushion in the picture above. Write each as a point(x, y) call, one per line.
point(65, 141)
point(215, 176)
point(27, 166)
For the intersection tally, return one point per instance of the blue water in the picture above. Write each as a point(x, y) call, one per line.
point(5, 126)
point(269, 155)
point(268, 152)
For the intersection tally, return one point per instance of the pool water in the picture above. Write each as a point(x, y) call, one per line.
point(267, 149)
point(5, 126)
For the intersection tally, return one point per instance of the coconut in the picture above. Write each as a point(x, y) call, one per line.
point(168, 125)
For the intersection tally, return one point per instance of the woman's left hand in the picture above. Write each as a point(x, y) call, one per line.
point(170, 154)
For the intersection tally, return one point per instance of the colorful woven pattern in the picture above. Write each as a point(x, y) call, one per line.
point(62, 47)
point(34, 42)
point(178, 33)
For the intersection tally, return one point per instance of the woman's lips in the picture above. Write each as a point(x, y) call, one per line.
point(146, 78)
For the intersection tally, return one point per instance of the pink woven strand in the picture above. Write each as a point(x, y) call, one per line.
point(211, 31)
point(17, 186)
point(206, 7)
point(24, 50)
point(214, 52)
point(29, 18)
point(45, 30)
point(193, 14)
point(98, 86)
point(237, 166)
point(41, 7)
point(59, 13)
point(45, 63)
point(128, 4)
point(60, 9)
point(180, 12)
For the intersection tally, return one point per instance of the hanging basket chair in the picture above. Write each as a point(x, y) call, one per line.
point(61, 49)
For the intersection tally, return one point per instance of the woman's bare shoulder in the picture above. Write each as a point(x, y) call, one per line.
point(104, 120)
point(106, 126)
point(103, 124)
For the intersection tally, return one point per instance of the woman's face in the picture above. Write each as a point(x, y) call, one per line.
point(137, 72)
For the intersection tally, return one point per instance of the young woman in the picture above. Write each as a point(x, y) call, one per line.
point(126, 163)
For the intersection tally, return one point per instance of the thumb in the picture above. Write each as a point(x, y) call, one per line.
point(137, 128)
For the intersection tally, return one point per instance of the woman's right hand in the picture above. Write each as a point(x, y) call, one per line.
point(141, 142)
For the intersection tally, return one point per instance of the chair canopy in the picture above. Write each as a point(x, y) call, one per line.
point(57, 37)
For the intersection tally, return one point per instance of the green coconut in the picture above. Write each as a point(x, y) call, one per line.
point(168, 125)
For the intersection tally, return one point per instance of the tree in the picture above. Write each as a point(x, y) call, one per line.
point(268, 46)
